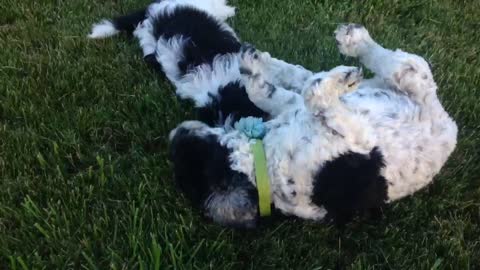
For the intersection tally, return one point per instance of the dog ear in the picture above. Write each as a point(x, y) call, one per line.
point(350, 184)
point(186, 154)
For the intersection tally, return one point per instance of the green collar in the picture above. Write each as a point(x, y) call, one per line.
point(261, 174)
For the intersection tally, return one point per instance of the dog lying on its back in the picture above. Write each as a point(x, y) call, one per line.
point(336, 144)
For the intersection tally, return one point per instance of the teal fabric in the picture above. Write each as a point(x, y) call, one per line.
point(252, 127)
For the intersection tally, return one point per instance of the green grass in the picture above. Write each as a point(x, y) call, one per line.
point(84, 177)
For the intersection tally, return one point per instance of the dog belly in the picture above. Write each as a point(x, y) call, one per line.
point(414, 150)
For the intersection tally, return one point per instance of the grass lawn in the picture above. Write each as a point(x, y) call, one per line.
point(84, 178)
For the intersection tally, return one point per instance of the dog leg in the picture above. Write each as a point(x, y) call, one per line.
point(267, 96)
point(144, 33)
point(409, 74)
point(168, 53)
point(399, 70)
point(277, 72)
point(322, 98)
point(148, 43)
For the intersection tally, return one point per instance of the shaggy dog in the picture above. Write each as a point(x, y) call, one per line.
point(336, 145)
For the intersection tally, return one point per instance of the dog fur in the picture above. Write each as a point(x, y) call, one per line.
point(336, 144)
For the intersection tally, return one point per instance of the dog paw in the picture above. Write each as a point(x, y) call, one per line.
point(325, 88)
point(257, 88)
point(347, 78)
point(252, 61)
point(352, 39)
point(342, 79)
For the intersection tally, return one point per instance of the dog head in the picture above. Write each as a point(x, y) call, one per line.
point(202, 171)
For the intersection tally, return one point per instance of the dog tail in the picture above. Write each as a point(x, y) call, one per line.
point(126, 23)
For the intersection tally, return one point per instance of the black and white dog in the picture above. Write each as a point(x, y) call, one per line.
point(336, 144)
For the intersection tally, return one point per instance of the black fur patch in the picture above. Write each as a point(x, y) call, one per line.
point(129, 22)
point(350, 184)
point(317, 81)
point(152, 62)
point(202, 169)
point(245, 71)
point(271, 90)
point(206, 38)
point(233, 101)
